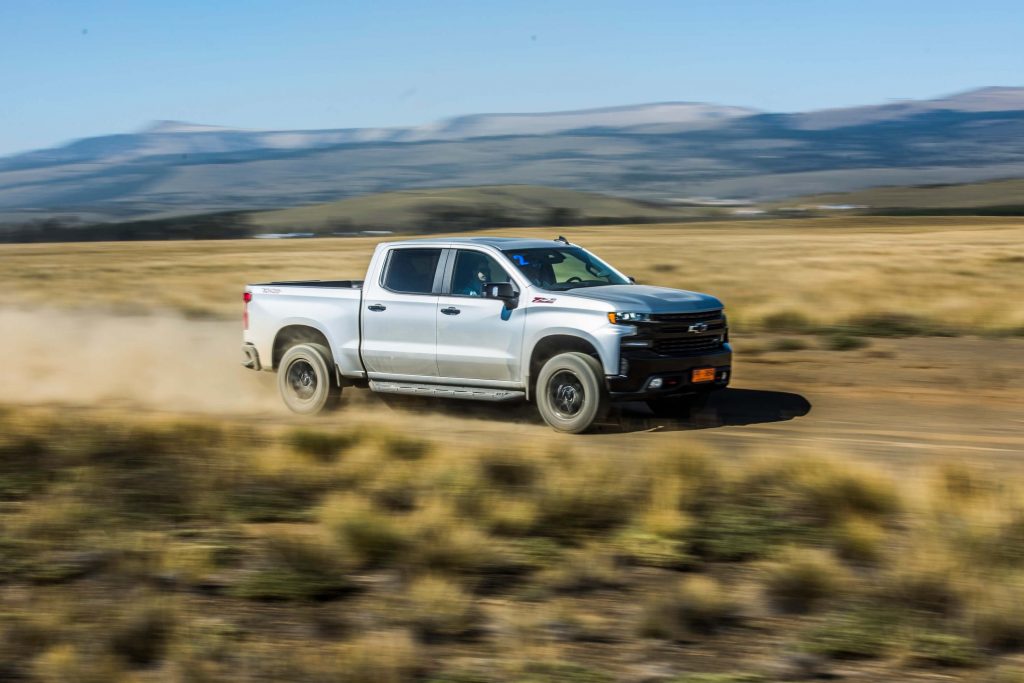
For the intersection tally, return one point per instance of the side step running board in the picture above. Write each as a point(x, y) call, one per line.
point(446, 391)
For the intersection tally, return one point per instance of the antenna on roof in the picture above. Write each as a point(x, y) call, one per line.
point(562, 240)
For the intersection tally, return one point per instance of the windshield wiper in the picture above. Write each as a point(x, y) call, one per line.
point(565, 287)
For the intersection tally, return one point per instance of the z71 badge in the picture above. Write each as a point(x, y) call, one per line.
point(542, 300)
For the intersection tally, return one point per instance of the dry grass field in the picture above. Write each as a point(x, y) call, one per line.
point(852, 508)
point(960, 275)
point(409, 208)
point(958, 196)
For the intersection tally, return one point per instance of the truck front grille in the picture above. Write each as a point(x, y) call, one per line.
point(687, 334)
point(687, 346)
point(689, 318)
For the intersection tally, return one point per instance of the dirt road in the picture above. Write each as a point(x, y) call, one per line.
point(898, 401)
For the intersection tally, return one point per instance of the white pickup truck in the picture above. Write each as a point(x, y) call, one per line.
point(492, 319)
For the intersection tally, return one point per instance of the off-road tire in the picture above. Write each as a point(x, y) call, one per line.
point(570, 393)
point(306, 380)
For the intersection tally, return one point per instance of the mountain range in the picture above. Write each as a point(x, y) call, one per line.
point(660, 151)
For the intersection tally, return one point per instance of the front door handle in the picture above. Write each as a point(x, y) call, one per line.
point(451, 310)
point(377, 308)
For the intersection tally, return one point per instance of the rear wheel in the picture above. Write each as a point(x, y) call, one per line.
point(570, 392)
point(305, 379)
point(678, 406)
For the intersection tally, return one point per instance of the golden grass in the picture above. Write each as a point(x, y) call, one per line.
point(964, 273)
point(365, 549)
point(348, 579)
point(991, 193)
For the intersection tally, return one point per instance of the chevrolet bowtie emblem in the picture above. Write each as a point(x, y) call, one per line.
point(698, 327)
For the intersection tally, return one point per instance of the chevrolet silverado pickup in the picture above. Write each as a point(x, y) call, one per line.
point(490, 319)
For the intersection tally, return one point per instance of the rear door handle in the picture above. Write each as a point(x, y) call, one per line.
point(451, 310)
point(377, 308)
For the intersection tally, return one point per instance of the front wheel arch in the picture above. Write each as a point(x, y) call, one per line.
point(549, 347)
point(571, 394)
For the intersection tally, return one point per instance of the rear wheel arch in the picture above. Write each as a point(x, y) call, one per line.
point(305, 379)
point(291, 335)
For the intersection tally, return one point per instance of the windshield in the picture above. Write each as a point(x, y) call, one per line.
point(561, 268)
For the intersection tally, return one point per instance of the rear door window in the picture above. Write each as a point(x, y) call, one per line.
point(411, 271)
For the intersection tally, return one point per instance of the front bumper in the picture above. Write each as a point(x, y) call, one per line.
point(675, 374)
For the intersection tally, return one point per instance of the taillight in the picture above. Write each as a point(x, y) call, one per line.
point(246, 297)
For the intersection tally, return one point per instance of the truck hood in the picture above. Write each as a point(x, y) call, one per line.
point(648, 299)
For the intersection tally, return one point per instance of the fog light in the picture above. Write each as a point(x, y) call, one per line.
point(623, 367)
point(655, 383)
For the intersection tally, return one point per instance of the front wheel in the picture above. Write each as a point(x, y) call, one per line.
point(570, 392)
point(304, 378)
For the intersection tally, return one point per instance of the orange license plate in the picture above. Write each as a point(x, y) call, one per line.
point(703, 375)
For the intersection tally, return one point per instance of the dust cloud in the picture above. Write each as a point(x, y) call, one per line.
point(153, 362)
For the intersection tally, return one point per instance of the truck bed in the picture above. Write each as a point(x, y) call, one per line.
point(339, 284)
point(330, 306)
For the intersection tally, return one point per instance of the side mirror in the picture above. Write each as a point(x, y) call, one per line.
point(632, 280)
point(503, 291)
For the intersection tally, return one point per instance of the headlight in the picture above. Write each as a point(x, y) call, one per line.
point(627, 317)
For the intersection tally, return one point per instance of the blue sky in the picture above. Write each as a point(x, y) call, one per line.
point(81, 68)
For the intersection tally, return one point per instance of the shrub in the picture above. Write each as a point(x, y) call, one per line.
point(844, 342)
point(860, 540)
point(444, 542)
point(737, 527)
point(405, 448)
point(322, 446)
point(697, 605)
point(647, 549)
point(294, 567)
point(148, 473)
point(831, 492)
point(386, 657)
point(509, 516)
point(789, 344)
point(780, 502)
point(786, 322)
point(802, 578)
point(1005, 674)
point(285, 496)
point(437, 608)
point(863, 632)
point(944, 649)
point(27, 465)
point(926, 580)
point(997, 617)
point(24, 637)
point(559, 672)
point(585, 496)
point(371, 538)
point(140, 636)
point(732, 677)
point(582, 570)
point(885, 324)
point(64, 663)
point(462, 675)
point(508, 469)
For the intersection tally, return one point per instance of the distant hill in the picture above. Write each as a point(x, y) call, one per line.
point(992, 194)
point(659, 151)
point(466, 207)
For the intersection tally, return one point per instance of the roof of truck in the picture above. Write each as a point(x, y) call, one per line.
point(497, 242)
